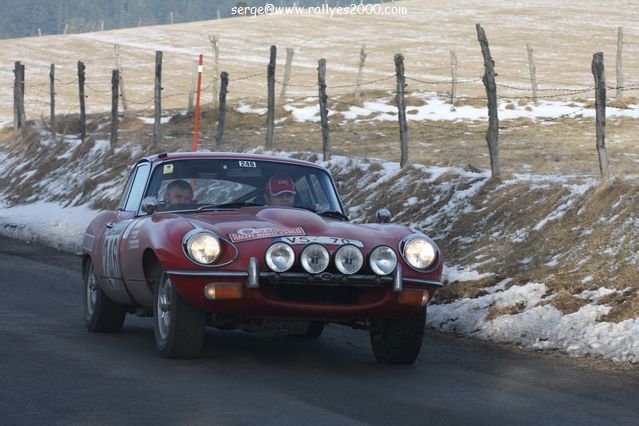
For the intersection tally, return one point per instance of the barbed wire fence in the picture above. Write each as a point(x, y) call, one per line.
point(342, 98)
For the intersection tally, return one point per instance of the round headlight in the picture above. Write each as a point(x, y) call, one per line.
point(383, 260)
point(280, 257)
point(203, 248)
point(314, 258)
point(420, 253)
point(349, 259)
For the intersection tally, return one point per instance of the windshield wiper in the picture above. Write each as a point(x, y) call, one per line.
point(231, 205)
point(333, 214)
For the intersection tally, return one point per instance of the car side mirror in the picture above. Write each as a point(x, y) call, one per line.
point(383, 216)
point(149, 205)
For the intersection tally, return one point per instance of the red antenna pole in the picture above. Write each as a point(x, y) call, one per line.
point(196, 131)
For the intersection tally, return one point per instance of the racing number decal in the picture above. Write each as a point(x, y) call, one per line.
point(110, 256)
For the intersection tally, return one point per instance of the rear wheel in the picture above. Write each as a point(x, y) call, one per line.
point(398, 341)
point(101, 314)
point(179, 327)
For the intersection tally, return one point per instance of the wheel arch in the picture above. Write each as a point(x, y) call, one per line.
point(150, 263)
point(86, 259)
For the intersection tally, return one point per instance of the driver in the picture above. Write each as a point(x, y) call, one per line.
point(280, 191)
point(179, 192)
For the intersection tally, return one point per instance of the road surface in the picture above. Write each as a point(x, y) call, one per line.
point(53, 371)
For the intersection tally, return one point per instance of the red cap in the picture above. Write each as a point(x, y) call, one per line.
point(279, 184)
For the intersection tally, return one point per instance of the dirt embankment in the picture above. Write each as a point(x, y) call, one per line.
point(571, 233)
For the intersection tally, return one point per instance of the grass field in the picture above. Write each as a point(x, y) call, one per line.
point(564, 37)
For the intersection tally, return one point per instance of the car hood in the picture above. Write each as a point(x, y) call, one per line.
point(268, 222)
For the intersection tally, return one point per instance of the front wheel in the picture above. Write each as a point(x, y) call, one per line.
point(101, 314)
point(179, 327)
point(398, 341)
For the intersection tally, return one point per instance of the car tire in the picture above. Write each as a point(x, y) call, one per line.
point(101, 314)
point(398, 341)
point(178, 326)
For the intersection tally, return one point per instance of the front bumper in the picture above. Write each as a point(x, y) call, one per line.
point(326, 295)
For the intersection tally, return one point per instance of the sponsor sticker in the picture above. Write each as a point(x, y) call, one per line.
point(249, 234)
point(168, 169)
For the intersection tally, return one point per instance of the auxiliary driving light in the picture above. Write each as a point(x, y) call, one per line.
point(383, 260)
point(348, 259)
point(280, 257)
point(315, 258)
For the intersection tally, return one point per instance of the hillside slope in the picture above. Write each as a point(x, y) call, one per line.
point(544, 261)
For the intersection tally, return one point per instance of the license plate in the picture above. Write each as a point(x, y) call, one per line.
point(307, 239)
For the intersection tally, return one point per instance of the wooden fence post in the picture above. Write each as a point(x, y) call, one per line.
point(216, 56)
point(321, 79)
point(287, 73)
point(19, 115)
point(360, 71)
point(22, 111)
point(401, 108)
point(115, 96)
point(189, 106)
point(157, 135)
point(492, 134)
point(125, 105)
point(52, 101)
point(619, 94)
point(270, 115)
point(453, 76)
point(600, 107)
point(533, 73)
point(83, 115)
point(224, 83)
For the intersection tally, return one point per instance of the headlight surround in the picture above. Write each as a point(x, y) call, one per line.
point(382, 260)
point(348, 259)
point(315, 258)
point(420, 253)
point(280, 257)
point(202, 247)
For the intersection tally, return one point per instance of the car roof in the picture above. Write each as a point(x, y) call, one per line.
point(169, 156)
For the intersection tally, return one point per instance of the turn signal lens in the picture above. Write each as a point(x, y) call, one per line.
point(413, 297)
point(223, 291)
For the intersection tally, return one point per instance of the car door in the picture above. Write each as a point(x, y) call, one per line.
point(111, 241)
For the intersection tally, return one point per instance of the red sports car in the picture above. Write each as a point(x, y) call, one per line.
point(253, 242)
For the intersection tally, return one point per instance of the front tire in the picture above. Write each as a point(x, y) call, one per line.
point(178, 326)
point(398, 341)
point(101, 314)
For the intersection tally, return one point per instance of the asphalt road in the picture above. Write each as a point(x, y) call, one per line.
point(53, 371)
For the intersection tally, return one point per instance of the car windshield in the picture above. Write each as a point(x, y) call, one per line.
point(213, 184)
